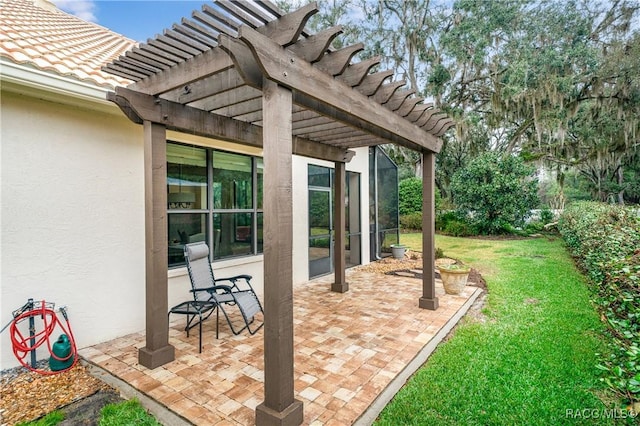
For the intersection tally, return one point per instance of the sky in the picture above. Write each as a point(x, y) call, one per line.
point(136, 19)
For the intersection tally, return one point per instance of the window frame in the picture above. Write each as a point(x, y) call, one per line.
point(210, 211)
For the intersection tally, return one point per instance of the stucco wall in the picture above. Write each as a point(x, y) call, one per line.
point(72, 217)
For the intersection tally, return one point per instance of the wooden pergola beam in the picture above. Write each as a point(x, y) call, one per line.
point(208, 63)
point(287, 29)
point(313, 47)
point(418, 111)
point(445, 128)
point(174, 116)
point(354, 74)
point(318, 91)
point(334, 63)
point(373, 82)
point(384, 93)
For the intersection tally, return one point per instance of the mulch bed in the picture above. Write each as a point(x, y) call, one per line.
point(27, 395)
point(411, 266)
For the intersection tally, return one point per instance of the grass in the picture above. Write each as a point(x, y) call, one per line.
point(529, 360)
point(50, 419)
point(124, 413)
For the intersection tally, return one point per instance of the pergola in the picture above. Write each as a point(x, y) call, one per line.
point(247, 73)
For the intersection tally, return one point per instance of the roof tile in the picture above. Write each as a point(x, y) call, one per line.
point(55, 41)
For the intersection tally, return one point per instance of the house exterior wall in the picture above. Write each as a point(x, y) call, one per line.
point(72, 211)
point(72, 215)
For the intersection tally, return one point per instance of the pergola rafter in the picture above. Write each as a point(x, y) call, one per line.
point(248, 73)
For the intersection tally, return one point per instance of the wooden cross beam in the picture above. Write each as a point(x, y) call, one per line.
point(140, 107)
point(320, 92)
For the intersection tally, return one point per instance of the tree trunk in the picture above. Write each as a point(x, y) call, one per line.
point(620, 173)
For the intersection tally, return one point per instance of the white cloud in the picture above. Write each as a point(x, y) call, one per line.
point(83, 9)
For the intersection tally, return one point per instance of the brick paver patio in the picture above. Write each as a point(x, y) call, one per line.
point(348, 349)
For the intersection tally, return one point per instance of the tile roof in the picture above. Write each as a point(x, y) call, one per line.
point(36, 33)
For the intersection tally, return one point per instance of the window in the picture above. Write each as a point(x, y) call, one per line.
point(213, 196)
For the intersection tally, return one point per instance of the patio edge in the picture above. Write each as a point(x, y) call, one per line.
point(381, 401)
point(164, 415)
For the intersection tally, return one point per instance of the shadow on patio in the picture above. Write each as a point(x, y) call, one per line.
point(353, 351)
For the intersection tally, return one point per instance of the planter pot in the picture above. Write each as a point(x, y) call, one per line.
point(454, 280)
point(398, 251)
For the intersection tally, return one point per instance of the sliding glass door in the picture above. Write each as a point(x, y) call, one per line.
point(321, 221)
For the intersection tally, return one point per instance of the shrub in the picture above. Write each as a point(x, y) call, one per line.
point(410, 196)
point(605, 240)
point(458, 228)
point(443, 218)
point(496, 192)
point(533, 228)
point(452, 223)
point(412, 221)
point(546, 216)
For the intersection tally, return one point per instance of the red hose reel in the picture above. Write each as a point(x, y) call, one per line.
point(64, 353)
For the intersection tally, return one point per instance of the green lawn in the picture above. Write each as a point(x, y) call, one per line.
point(125, 413)
point(531, 358)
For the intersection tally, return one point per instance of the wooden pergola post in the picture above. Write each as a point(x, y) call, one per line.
point(340, 284)
point(428, 299)
point(279, 406)
point(157, 350)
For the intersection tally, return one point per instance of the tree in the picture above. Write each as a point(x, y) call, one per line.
point(555, 82)
point(496, 192)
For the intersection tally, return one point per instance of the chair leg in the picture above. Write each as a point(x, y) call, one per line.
point(187, 328)
point(233, 330)
point(200, 334)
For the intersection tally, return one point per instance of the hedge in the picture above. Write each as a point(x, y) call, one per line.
point(605, 241)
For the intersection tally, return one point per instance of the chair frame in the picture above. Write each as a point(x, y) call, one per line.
point(191, 308)
point(222, 294)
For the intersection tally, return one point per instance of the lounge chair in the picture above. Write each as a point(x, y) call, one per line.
point(207, 288)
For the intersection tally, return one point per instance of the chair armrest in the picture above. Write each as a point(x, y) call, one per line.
point(225, 288)
point(237, 277)
point(235, 280)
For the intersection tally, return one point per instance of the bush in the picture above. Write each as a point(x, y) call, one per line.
point(451, 223)
point(410, 196)
point(546, 216)
point(457, 228)
point(443, 218)
point(495, 192)
point(412, 221)
point(605, 240)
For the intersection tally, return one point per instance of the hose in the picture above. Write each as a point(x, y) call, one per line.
point(22, 345)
